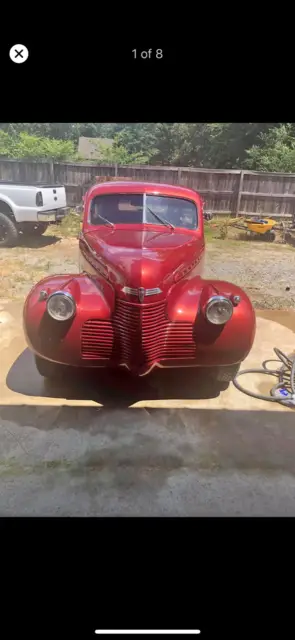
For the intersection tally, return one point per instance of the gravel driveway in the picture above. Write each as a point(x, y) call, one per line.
point(264, 271)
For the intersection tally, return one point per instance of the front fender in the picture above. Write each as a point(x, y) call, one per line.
point(60, 341)
point(224, 344)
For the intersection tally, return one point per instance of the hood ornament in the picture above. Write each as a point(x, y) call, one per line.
point(141, 293)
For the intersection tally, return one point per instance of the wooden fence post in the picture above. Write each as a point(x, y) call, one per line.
point(239, 194)
point(179, 174)
point(116, 169)
point(51, 172)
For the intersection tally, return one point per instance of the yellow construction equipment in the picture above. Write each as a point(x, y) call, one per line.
point(258, 225)
point(263, 226)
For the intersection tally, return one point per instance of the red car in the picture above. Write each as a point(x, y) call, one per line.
point(139, 300)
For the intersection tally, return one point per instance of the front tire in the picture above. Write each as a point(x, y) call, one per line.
point(48, 369)
point(8, 231)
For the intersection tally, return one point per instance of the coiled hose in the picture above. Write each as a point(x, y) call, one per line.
point(284, 390)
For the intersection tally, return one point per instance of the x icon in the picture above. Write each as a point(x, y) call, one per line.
point(18, 53)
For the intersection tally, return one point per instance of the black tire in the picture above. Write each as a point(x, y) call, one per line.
point(34, 228)
point(270, 236)
point(48, 369)
point(8, 231)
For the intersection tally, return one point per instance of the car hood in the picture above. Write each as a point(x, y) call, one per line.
point(143, 258)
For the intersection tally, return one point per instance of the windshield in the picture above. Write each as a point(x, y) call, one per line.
point(139, 209)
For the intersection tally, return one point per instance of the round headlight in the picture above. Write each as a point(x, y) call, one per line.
point(61, 305)
point(219, 310)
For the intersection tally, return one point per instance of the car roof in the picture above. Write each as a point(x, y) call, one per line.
point(130, 186)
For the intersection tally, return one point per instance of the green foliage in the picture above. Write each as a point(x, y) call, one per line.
point(225, 145)
point(117, 153)
point(138, 138)
point(276, 153)
point(70, 226)
point(24, 145)
point(63, 130)
point(218, 145)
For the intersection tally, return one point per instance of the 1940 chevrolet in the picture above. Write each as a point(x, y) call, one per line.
point(139, 300)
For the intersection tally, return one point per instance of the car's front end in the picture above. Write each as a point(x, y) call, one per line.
point(140, 301)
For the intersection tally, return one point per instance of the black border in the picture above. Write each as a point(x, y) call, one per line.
point(89, 81)
point(67, 577)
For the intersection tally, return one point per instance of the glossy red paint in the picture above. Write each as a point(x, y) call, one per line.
point(111, 327)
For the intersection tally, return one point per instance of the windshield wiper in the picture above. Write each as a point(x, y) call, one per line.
point(111, 224)
point(163, 220)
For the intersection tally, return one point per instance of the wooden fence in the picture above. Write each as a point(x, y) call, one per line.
point(228, 192)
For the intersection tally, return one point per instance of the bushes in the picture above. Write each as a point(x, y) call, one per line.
point(276, 153)
point(26, 146)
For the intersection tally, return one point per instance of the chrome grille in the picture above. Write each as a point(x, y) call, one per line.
point(137, 335)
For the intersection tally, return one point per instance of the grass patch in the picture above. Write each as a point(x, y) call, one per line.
point(70, 226)
point(209, 232)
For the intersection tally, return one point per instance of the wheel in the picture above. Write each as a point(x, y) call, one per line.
point(8, 231)
point(222, 376)
point(34, 228)
point(270, 236)
point(48, 369)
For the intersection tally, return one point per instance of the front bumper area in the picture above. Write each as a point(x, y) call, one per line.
point(137, 337)
point(52, 216)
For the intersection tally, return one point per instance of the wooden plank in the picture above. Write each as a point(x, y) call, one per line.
point(217, 213)
point(201, 191)
point(265, 174)
point(214, 193)
point(272, 196)
point(250, 214)
point(269, 174)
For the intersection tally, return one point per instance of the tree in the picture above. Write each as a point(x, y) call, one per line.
point(23, 145)
point(117, 154)
point(276, 151)
point(64, 130)
point(137, 138)
point(221, 145)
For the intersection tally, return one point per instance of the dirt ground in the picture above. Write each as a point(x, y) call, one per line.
point(266, 272)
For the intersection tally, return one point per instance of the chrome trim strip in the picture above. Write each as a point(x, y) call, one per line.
point(157, 365)
point(153, 292)
point(147, 292)
point(130, 291)
point(82, 237)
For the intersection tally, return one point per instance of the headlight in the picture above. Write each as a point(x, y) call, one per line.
point(61, 305)
point(219, 310)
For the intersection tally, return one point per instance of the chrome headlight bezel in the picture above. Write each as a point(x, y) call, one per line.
point(217, 300)
point(69, 298)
